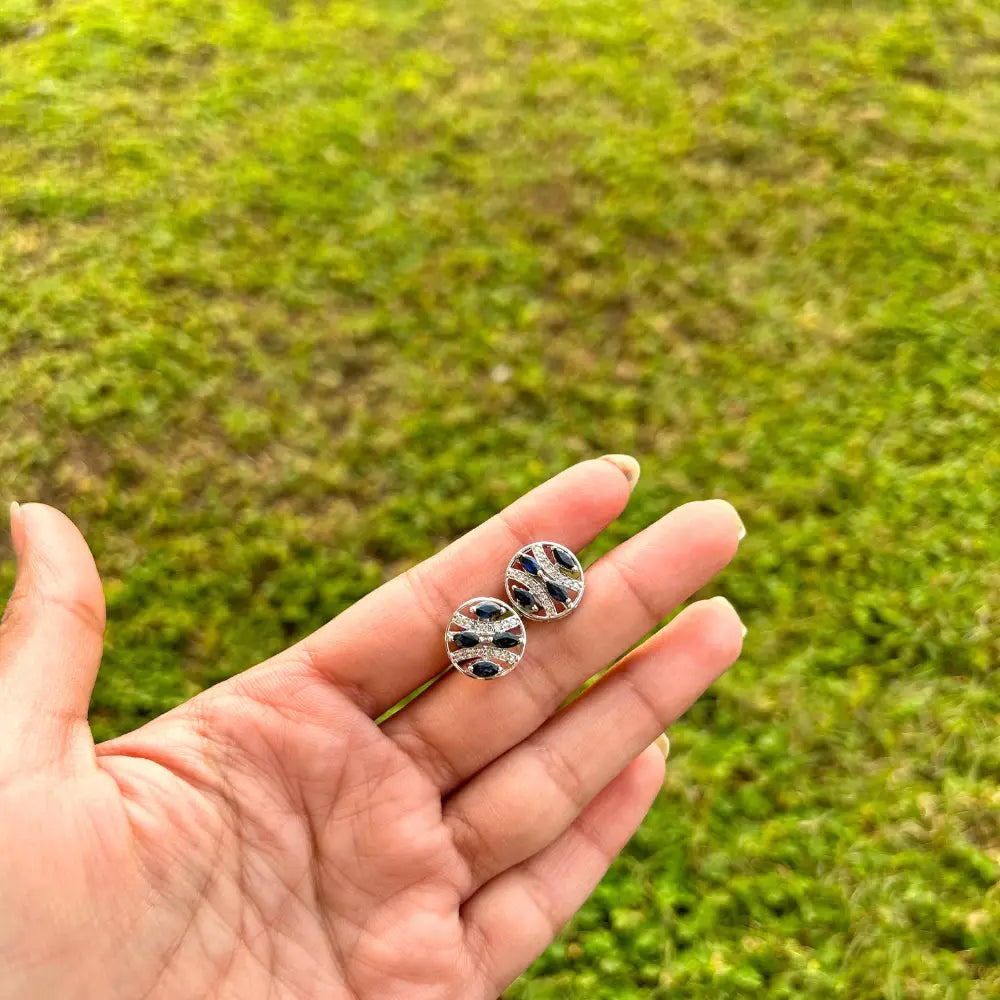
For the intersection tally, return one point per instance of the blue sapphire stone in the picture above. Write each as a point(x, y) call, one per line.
point(562, 557)
point(485, 668)
point(529, 565)
point(523, 597)
point(488, 611)
point(506, 640)
point(559, 593)
point(465, 639)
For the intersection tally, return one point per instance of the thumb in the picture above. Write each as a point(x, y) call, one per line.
point(51, 636)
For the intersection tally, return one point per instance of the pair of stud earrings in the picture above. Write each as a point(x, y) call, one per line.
point(486, 636)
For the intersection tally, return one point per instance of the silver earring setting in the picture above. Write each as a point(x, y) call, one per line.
point(486, 636)
point(544, 581)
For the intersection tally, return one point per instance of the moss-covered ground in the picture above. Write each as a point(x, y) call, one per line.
point(290, 295)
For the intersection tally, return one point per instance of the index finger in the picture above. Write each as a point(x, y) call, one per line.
point(392, 641)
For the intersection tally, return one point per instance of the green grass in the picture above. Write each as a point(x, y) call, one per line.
point(290, 296)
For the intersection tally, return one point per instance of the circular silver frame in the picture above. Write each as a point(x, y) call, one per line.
point(546, 609)
point(462, 657)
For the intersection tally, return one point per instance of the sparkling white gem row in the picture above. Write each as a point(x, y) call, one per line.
point(485, 653)
point(554, 571)
point(482, 627)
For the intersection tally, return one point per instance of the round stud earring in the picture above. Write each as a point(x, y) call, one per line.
point(544, 581)
point(485, 638)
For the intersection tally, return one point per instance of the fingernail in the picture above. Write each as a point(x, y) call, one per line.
point(729, 604)
point(16, 528)
point(628, 466)
point(662, 743)
point(742, 533)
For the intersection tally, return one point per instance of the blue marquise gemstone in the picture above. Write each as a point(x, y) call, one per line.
point(485, 668)
point(506, 640)
point(487, 610)
point(562, 557)
point(559, 593)
point(523, 597)
point(529, 565)
point(465, 639)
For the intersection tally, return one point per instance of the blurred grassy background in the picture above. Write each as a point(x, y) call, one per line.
point(290, 296)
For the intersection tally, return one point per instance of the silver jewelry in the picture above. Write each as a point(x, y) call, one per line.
point(485, 638)
point(544, 581)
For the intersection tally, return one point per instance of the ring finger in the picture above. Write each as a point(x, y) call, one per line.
point(523, 802)
point(459, 725)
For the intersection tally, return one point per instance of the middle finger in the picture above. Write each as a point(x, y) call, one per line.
point(459, 724)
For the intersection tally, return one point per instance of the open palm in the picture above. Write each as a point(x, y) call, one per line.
point(270, 839)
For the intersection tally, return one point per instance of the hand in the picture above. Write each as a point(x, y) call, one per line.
point(269, 839)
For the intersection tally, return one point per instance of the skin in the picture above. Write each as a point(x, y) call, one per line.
point(270, 839)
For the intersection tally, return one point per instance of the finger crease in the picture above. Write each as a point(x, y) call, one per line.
point(625, 677)
point(627, 577)
point(470, 842)
point(420, 582)
point(564, 773)
point(429, 757)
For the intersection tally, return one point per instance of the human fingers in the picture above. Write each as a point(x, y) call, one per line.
point(515, 917)
point(391, 642)
point(459, 725)
point(526, 799)
point(51, 637)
